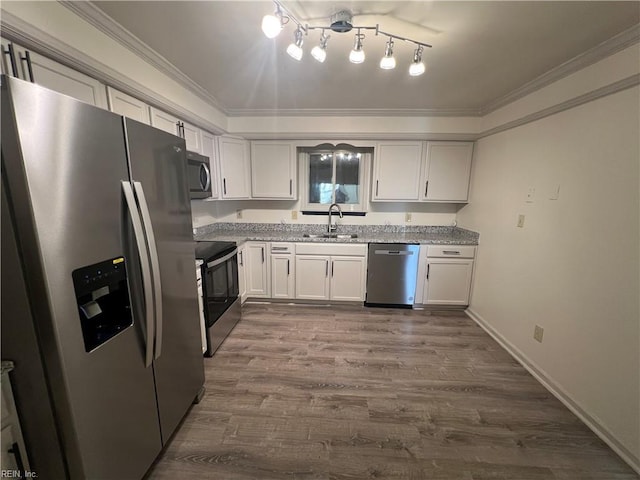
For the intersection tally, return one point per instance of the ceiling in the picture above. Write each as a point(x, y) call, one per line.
point(482, 51)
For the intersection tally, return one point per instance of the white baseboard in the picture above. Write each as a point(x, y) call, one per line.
point(559, 393)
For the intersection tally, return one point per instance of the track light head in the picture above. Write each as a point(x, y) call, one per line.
point(319, 52)
point(417, 67)
point(272, 24)
point(357, 54)
point(388, 62)
point(295, 49)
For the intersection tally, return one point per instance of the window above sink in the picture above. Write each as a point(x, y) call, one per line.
point(334, 174)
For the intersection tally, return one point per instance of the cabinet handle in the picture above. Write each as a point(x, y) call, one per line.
point(279, 249)
point(290, 186)
point(12, 58)
point(377, 188)
point(451, 252)
point(428, 266)
point(262, 251)
point(27, 58)
point(426, 188)
point(241, 261)
point(326, 268)
point(288, 272)
point(224, 185)
point(332, 269)
point(15, 449)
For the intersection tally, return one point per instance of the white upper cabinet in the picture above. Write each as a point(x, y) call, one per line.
point(35, 68)
point(167, 122)
point(447, 171)
point(128, 106)
point(273, 170)
point(234, 167)
point(397, 169)
point(210, 149)
point(192, 137)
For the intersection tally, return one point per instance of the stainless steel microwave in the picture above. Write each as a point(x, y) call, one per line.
point(199, 175)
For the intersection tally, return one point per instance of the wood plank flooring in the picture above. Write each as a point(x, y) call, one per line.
point(343, 393)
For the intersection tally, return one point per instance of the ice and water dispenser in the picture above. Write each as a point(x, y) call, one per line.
point(103, 301)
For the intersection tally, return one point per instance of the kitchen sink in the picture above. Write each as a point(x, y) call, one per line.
point(330, 235)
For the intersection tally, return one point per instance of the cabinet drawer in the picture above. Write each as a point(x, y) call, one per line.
point(331, 249)
point(451, 251)
point(283, 248)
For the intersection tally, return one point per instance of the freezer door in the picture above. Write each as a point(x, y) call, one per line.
point(64, 161)
point(158, 166)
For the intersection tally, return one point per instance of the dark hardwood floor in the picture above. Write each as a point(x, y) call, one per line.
point(341, 393)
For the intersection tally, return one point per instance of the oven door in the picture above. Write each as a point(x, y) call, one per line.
point(220, 285)
point(199, 176)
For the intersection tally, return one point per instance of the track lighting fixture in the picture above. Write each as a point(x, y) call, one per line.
point(388, 62)
point(319, 52)
point(357, 54)
point(340, 22)
point(295, 49)
point(417, 67)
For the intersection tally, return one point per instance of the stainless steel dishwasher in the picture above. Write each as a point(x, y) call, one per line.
point(391, 274)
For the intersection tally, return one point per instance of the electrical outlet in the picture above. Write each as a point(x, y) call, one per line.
point(538, 331)
point(531, 194)
point(239, 214)
point(407, 217)
point(555, 192)
point(294, 214)
point(521, 221)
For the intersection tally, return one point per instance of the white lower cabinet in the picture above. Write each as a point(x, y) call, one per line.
point(331, 271)
point(312, 277)
point(283, 270)
point(348, 277)
point(444, 277)
point(257, 269)
point(242, 273)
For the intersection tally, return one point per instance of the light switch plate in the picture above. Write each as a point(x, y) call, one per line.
point(521, 221)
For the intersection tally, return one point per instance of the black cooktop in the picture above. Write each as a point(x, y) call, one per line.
point(210, 250)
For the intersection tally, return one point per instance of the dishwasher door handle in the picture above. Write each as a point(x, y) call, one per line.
point(393, 252)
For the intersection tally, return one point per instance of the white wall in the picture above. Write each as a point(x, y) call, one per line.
point(574, 268)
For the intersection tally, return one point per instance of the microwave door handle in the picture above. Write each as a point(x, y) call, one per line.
point(218, 261)
point(207, 183)
point(155, 263)
point(144, 267)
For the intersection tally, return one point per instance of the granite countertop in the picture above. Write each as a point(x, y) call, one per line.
point(274, 232)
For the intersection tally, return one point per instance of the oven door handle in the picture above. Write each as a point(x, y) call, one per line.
point(218, 261)
point(155, 263)
point(145, 268)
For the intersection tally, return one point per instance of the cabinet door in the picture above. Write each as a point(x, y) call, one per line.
point(397, 169)
point(448, 281)
point(209, 149)
point(282, 276)
point(257, 269)
point(242, 273)
point(192, 137)
point(348, 278)
point(312, 277)
point(164, 121)
point(128, 106)
point(62, 79)
point(234, 167)
point(447, 172)
point(273, 170)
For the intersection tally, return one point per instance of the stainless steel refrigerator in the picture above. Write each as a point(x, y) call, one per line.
point(99, 296)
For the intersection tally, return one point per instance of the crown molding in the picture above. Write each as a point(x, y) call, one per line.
point(107, 25)
point(354, 112)
point(341, 136)
point(610, 89)
point(15, 29)
point(613, 45)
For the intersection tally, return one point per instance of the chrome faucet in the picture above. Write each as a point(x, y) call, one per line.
point(332, 227)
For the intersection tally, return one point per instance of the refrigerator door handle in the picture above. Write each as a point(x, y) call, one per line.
point(155, 263)
point(144, 267)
